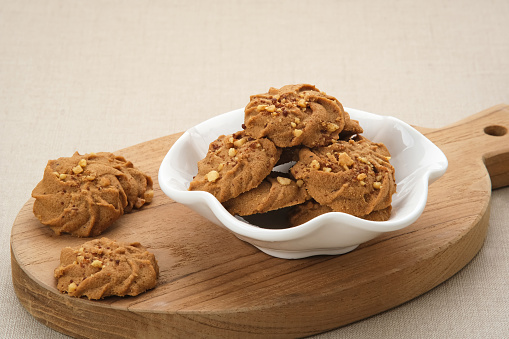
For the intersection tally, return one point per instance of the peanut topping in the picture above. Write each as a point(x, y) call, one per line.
point(83, 162)
point(344, 160)
point(212, 176)
point(77, 170)
point(72, 287)
point(239, 142)
point(271, 108)
point(284, 181)
point(377, 185)
point(56, 174)
point(302, 103)
point(260, 108)
point(232, 152)
point(62, 176)
point(327, 169)
point(220, 166)
point(314, 164)
point(332, 127)
point(90, 177)
point(97, 263)
point(297, 132)
point(293, 124)
point(361, 176)
point(300, 183)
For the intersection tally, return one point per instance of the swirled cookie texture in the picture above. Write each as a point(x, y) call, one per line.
point(84, 194)
point(102, 267)
point(275, 192)
point(352, 176)
point(311, 209)
point(234, 164)
point(298, 115)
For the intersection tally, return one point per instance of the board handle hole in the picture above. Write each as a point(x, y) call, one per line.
point(495, 130)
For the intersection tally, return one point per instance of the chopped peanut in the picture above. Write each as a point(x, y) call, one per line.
point(72, 287)
point(270, 108)
point(361, 176)
point(284, 181)
point(97, 263)
point(77, 170)
point(327, 169)
point(332, 127)
point(315, 164)
point(212, 176)
point(239, 142)
point(220, 166)
point(83, 162)
point(260, 108)
point(377, 185)
point(302, 103)
point(62, 176)
point(300, 183)
point(232, 152)
point(297, 132)
point(345, 160)
point(293, 124)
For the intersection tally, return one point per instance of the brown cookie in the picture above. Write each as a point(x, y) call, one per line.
point(103, 267)
point(352, 176)
point(275, 192)
point(296, 115)
point(234, 164)
point(84, 194)
point(311, 209)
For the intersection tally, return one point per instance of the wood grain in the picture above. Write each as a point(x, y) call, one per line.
point(214, 285)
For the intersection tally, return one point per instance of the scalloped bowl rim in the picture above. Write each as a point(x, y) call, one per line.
point(174, 184)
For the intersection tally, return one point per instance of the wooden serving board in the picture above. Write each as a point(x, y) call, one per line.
point(215, 285)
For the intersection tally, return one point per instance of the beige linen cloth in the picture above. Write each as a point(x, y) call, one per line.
point(103, 75)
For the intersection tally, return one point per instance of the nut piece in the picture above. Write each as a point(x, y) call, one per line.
point(212, 176)
point(284, 181)
point(332, 127)
point(97, 263)
point(302, 103)
point(314, 164)
point(297, 132)
point(232, 152)
point(345, 160)
point(260, 108)
point(271, 108)
point(83, 162)
point(361, 176)
point(77, 170)
point(300, 183)
point(72, 287)
point(62, 176)
point(240, 142)
point(377, 185)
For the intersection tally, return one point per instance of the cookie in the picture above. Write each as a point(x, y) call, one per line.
point(352, 176)
point(297, 115)
point(102, 267)
point(311, 209)
point(84, 194)
point(234, 164)
point(275, 192)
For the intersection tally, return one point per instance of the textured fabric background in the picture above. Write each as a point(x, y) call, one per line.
point(103, 75)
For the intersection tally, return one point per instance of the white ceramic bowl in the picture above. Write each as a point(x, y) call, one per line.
point(417, 162)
